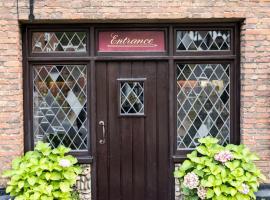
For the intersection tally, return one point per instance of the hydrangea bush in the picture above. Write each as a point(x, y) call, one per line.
point(43, 174)
point(216, 172)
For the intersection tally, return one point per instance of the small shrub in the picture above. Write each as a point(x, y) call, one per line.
point(43, 174)
point(216, 172)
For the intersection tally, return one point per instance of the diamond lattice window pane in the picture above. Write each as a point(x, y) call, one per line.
point(59, 105)
point(131, 97)
point(46, 42)
point(203, 40)
point(203, 103)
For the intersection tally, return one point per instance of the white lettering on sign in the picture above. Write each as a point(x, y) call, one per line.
point(117, 41)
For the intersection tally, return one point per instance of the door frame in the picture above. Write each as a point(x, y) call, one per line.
point(91, 56)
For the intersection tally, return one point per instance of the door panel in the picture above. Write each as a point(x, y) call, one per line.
point(133, 164)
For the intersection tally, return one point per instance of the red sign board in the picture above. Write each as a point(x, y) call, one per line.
point(131, 41)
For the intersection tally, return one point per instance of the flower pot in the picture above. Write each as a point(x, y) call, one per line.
point(3, 195)
point(263, 192)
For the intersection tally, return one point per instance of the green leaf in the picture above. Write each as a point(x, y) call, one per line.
point(186, 165)
point(196, 160)
point(8, 173)
point(9, 189)
point(21, 197)
point(238, 172)
point(65, 187)
point(240, 196)
point(48, 176)
point(36, 195)
point(232, 191)
point(20, 184)
point(217, 191)
point(16, 163)
point(193, 154)
point(210, 193)
point(200, 173)
point(32, 180)
point(211, 180)
point(230, 165)
point(61, 150)
point(202, 150)
point(200, 167)
point(205, 183)
point(208, 140)
point(49, 189)
point(44, 148)
point(69, 175)
point(186, 191)
point(77, 170)
point(56, 194)
point(55, 176)
point(179, 174)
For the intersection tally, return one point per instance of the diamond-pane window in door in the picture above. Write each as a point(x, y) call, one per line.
point(51, 42)
point(60, 105)
point(131, 97)
point(203, 103)
point(203, 40)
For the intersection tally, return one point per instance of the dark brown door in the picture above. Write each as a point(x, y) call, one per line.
point(132, 148)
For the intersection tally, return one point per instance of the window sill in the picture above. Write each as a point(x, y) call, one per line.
point(85, 159)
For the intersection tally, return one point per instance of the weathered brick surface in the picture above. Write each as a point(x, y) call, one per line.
point(255, 55)
point(11, 98)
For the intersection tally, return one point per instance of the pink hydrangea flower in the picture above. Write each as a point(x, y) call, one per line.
point(191, 180)
point(245, 189)
point(224, 156)
point(201, 191)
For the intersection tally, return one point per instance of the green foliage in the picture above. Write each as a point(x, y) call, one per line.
point(43, 174)
point(222, 180)
point(75, 195)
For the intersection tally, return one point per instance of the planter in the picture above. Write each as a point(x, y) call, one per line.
point(3, 195)
point(264, 192)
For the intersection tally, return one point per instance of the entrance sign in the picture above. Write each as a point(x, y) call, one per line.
point(131, 41)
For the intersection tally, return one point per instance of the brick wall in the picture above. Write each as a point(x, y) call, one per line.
point(11, 95)
point(255, 56)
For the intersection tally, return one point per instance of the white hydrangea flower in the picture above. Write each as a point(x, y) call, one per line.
point(245, 189)
point(64, 163)
point(201, 191)
point(191, 180)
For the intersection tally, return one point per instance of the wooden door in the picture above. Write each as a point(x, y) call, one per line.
point(133, 145)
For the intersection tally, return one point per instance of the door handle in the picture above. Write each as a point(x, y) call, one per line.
point(103, 140)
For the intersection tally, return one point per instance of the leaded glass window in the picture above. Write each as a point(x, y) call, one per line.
point(203, 40)
point(46, 42)
point(60, 105)
point(131, 97)
point(203, 103)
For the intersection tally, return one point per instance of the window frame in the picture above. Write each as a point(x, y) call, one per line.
point(231, 57)
point(130, 80)
point(204, 52)
point(171, 55)
point(181, 154)
point(31, 59)
point(58, 29)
